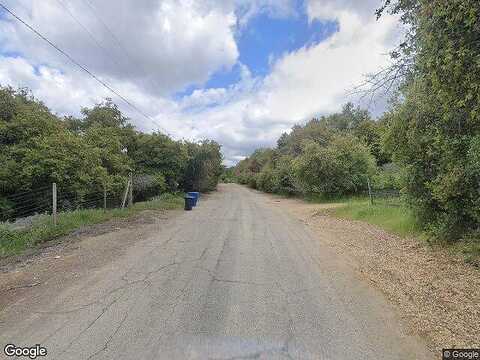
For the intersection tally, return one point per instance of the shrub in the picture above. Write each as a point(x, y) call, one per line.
point(434, 131)
point(340, 168)
point(252, 181)
point(284, 176)
point(148, 186)
point(266, 180)
point(389, 176)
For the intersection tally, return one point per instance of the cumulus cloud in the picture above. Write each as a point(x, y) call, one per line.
point(174, 44)
point(328, 9)
point(67, 94)
point(161, 46)
point(311, 81)
point(246, 9)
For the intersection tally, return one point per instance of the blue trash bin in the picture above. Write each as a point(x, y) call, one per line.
point(195, 195)
point(189, 200)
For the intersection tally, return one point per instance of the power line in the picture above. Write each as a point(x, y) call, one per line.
point(98, 44)
point(72, 60)
point(93, 11)
point(92, 37)
point(119, 43)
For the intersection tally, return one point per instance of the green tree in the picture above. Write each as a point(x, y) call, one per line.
point(340, 168)
point(83, 155)
point(434, 131)
point(204, 166)
point(157, 154)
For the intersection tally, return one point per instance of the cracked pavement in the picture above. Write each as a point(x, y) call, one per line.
point(236, 278)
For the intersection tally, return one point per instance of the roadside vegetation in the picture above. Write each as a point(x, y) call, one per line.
point(88, 157)
point(426, 146)
point(15, 240)
point(399, 220)
point(85, 155)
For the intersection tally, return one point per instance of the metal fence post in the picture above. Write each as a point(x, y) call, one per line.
point(54, 203)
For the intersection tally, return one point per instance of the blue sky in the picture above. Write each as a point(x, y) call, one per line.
point(266, 38)
point(240, 72)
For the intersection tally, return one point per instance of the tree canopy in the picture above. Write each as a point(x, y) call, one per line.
point(83, 155)
point(431, 132)
point(332, 155)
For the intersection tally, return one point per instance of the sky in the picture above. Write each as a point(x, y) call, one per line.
point(240, 72)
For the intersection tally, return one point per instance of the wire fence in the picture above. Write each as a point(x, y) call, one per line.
point(54, 199)
point(51, 200)
point(390, 197)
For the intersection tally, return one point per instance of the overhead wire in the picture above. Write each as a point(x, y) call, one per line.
point(122, 48)
point(117, 41)
point(63, 4)
point(82, 67)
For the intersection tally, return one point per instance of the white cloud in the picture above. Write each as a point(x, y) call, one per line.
point(179, 43)
point(328, 9)
point(65, 94)
point(247, 9)
point(311, 81)
point(161, 46)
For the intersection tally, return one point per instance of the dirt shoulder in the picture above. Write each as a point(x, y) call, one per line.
point(437, 295)
point(62, 261)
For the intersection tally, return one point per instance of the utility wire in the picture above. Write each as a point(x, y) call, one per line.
point(93, 10)
point(72, 60)
point(92, 37)
point(98, 43)
point(119, 44)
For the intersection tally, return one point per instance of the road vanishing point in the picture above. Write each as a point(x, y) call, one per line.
point(236, 278)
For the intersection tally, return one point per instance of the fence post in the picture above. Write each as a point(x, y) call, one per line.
point(130, 193)
point(104, 197)
point(54, 203)
point(126, 194)
point(370, 191)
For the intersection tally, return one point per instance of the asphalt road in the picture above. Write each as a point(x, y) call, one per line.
point(236, 277)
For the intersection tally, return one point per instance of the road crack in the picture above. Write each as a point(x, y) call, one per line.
point(109, 340)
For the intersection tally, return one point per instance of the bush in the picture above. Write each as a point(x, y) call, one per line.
point(434, 130)
point(389, 176)
point(252, 181)
point(6, 209)
point(284, 177)
point(340, 168)
point(204, 166)
point(266, 180)
point(148, 186)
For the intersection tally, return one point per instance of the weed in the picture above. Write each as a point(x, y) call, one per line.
point(15, 241)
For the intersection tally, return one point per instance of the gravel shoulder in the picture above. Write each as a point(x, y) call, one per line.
point(436, 294)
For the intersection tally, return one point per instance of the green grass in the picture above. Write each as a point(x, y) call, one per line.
point(401, 221)
point(322, 199)
point(14, 241)
point(396, 219)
